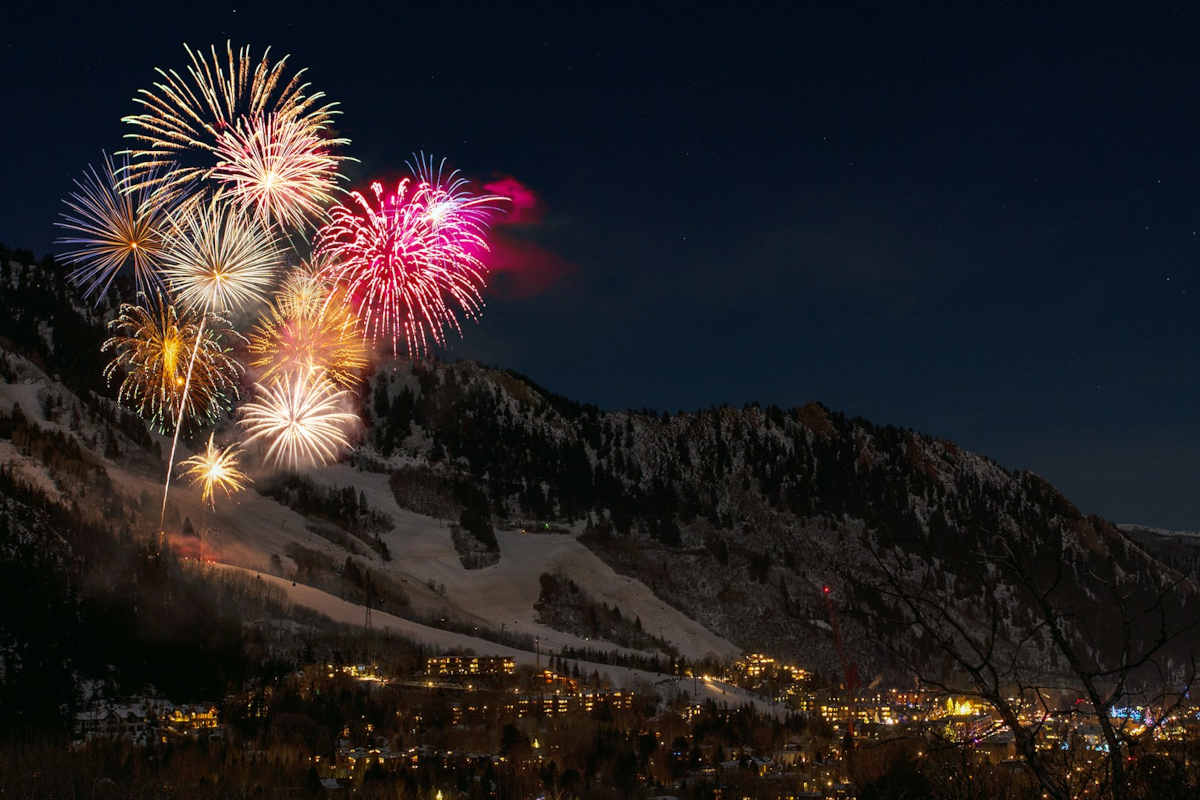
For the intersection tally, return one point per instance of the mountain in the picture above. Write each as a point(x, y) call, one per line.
point(1179, 550)
point(741, 516)
point(711, 531)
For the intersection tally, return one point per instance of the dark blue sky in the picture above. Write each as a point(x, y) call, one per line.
point(983, 227)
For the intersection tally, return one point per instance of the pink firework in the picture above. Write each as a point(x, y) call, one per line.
point(410, 263)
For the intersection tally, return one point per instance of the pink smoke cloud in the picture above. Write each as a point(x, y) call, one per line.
point(526, 208)
point(522, 267)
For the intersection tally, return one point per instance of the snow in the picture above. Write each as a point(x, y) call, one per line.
point(248, 529)
point(25, 395)
point(28, 469)
point(504, 593)
point(348, 613)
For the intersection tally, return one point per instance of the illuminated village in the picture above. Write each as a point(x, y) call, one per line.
point(465, 726)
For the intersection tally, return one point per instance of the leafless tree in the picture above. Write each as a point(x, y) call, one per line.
point(1025, 621)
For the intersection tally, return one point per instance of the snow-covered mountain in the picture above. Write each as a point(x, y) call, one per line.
point(715, 530)
point(741, 516)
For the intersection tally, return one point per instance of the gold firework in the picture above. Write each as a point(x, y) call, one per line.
point(107, 229)
point(153, 343)
point(216, 259)
point(303, 291)
point(277, 169)
point(306, 328)
point(183, 119)
point(301, 418)
point(215, 468)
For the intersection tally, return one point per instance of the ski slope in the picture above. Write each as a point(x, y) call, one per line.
point(342, 611)
point(504, 593)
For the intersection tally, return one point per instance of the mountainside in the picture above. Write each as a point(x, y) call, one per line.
point(1179, 550)
point(740, 517)
point(736, 517)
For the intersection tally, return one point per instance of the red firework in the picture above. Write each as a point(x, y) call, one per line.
point(410, 263)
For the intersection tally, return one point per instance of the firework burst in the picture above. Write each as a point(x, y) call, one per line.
point(305, 329)
point(278, 169)
point(303, 291)
point(410, 263)
point(184, 118)
point(301, 417)
point(215, 468)
point(107, 230)
point(217, 259)
point(152, 344)
point(450, 205)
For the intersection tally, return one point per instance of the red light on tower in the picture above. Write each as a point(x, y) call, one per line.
point(826, 590)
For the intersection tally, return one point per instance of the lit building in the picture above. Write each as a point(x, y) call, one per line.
point(469, 665)
point(754, 665)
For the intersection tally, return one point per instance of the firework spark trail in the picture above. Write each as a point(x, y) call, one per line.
point(217, 261)
point(187, 382)
point(183, 118)
point(107, 228)
point(411, 259)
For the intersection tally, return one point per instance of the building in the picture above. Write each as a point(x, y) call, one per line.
point(352, 762)
point(192, 720)
point(145, 721)
point(755, 665)
point(567, 702)
point(464, 666)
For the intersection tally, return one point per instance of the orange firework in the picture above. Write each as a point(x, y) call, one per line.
point(153, 344)
point(304, 290)
point(304, 329)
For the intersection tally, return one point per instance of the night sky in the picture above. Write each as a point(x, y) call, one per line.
point(981, 227)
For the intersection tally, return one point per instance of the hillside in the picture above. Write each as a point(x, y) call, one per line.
point(740, 516)
point(715, 529)
point(338, 528)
